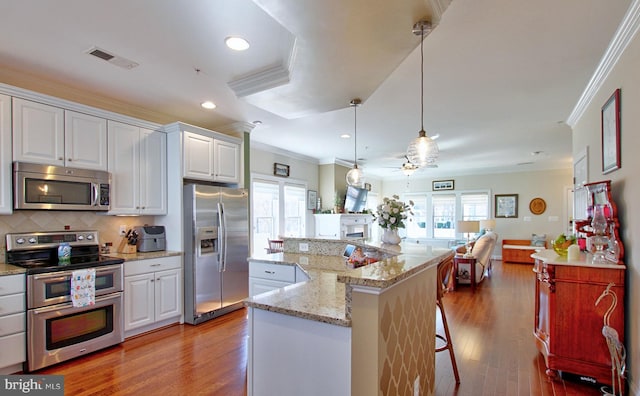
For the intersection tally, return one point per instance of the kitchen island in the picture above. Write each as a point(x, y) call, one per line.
point(345, 331)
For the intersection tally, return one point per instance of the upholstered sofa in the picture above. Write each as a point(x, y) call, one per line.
point(482, 251)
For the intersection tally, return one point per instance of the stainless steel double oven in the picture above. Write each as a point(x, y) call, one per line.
point(56, 330)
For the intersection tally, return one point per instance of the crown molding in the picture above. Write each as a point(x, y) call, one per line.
point(74, 106)
point(624, 35)
point(279, 151)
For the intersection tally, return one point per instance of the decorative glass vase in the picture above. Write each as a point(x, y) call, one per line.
point(390, 236)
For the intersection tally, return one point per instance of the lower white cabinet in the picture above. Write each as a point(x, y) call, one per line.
point(152, 294)
point(13, 339)
point(264, 276)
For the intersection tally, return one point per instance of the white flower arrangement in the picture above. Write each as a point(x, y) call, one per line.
point(392, 213)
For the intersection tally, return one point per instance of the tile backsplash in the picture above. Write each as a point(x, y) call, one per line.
point(50, 220)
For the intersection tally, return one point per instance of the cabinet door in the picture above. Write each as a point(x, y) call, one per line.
point(198, 156)
point(259, 285)
point(167, 294)
point(38, 133)
point(85, 141)
point(139, 295)
point(124, 165)
point(226, 160)
point(13, 349)
point(6, 203)
point(153, 172)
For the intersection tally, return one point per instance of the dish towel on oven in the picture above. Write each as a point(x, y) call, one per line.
point(83, 287)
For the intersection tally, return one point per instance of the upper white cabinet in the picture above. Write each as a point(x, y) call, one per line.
point(85, 141)
point(6, 206)
point(138, 166)
point(53, 136)
point(209, 158)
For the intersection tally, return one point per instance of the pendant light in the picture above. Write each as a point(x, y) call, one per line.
point(422, 150)
point(355, 176)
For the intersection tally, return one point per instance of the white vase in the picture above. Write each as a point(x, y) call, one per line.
point(390, 236)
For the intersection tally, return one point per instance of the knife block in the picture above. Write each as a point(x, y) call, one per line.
point(124, 247)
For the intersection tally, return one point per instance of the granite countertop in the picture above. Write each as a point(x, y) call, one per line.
point(8, 269)
point(323, 297)
point(549, 256)
point(143, 255)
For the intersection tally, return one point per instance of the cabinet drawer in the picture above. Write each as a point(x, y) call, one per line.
point(286, 273)
point(12, 284)
point(14, 349)
point(12, 324)
point(12, 304)
point(138, 267)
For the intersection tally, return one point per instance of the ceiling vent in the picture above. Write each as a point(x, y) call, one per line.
point(111, 58)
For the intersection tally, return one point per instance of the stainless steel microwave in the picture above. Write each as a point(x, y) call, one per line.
point(37, 186)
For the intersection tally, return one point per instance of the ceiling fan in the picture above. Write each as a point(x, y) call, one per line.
point(409, 167)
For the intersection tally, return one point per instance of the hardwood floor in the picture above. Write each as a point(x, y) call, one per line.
point(491, 330)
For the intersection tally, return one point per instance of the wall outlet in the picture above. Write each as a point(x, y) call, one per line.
point(303, 247)
point(416, 386)
point(123, 230)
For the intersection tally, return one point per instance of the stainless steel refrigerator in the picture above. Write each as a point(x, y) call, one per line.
point(216, 241)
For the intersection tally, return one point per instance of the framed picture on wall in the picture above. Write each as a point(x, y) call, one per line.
point(438, 185)
point(610, 118)
point(280, 169)
point(506, 205)
point(312, 198)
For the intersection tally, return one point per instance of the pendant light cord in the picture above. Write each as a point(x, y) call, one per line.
point(355, 133)
point(421, 78)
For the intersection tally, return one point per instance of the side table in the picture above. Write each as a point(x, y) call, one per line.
point(472, 270)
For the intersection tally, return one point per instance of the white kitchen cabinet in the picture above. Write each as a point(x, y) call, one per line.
point(264, 276)
point(211, 159)
point(152, 294)
point(138, 166)
point(6, 201)
point(50, 135)
point(13, 337)
point(85, 141)
point(226, 161)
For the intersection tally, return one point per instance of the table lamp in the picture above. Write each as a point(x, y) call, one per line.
point(488, 224)
point(468, 227)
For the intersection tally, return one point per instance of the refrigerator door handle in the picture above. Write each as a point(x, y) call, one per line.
point(222, 237)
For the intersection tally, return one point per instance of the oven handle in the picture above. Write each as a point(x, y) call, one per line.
point(69, 306)
point(63, 275)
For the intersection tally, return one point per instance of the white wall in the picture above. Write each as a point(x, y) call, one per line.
point(625, 182)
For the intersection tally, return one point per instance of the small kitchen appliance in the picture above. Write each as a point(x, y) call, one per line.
point(45, 187)
point(150, 238)
point(57, 329)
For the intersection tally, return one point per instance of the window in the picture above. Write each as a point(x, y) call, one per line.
point(278, 209)
point(435, 213)
point(417, 228)
point(295, 210)
point(444, 215)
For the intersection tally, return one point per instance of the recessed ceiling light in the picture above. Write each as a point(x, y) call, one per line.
point(236, 43)
point(209, 105)
point(257, 122)
point(345, 136)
